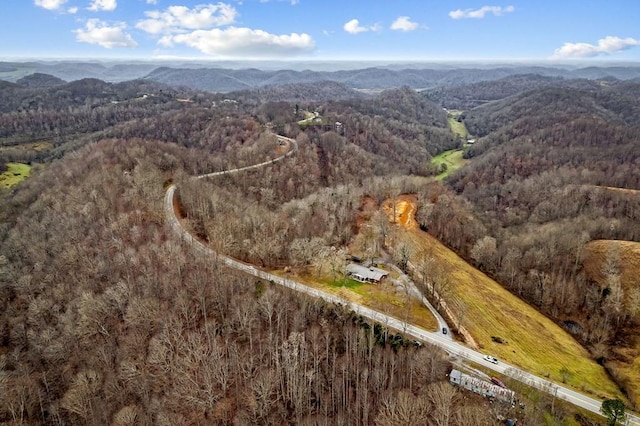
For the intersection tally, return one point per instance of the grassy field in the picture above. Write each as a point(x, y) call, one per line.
point(531, 340)
point(626, 365)
point(15, 174)
point(457, 127)
point(452, 159)
point(382, 297)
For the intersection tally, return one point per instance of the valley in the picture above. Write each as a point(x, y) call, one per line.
point(517, 242)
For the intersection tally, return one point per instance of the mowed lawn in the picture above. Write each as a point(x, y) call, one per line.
point(381, 297)
point(531, 341)
point(15, 174)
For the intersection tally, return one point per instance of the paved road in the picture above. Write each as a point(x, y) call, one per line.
point(418, 333)
point(292, 143)
point(411, 287)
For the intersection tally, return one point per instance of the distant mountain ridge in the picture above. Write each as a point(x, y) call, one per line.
point(228, 80)
point(223, 80)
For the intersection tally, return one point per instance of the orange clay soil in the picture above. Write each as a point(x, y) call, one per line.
point(405, 210)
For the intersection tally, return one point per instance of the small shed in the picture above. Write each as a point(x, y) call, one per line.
point(366, 274)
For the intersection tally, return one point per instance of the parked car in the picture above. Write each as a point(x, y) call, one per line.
point(444, 330)
point(498, 382)
point(490, 359)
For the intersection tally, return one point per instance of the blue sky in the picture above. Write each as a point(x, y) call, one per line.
point(403, 30)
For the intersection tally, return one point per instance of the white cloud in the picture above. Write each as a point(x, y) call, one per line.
point(72, 10)
point(243, 43)
point(480, 13)
point(50, 4)
point(98, 32)
point(354, 27)
point(605, 46)
point(180, 18)
point(98, 5)
point(403, 23)
point(152, 1)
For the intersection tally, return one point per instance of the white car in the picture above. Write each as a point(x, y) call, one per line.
point(490, 359)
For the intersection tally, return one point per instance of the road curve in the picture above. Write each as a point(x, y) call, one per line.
point(411, 288)
point(292, 142)
point(437, 339)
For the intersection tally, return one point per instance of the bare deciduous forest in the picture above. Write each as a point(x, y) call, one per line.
point(108, 319)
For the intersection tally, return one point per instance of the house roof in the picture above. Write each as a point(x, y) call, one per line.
point(370, 272)
point(455, 374)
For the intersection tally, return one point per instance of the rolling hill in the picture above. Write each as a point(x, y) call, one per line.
point(535, 183)
point(225, 80)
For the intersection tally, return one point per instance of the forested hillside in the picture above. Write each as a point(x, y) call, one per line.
point(417, 77)
point(468, 96)
point(540, 181)
point(106, 318)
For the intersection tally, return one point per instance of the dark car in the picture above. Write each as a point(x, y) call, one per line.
point(498, 382)
point(444, 330)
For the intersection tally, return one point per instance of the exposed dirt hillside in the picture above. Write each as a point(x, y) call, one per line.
point(405, 210)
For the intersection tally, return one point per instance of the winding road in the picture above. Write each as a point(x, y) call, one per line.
point(435, 338)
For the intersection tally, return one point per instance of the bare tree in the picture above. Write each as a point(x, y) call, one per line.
point(442, 396)
point(404, 408)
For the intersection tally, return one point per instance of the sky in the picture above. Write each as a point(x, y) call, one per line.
point(394, 30)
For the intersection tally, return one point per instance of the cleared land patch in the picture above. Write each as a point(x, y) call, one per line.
point(488, 311)
point(405, 210)
point(452, 160)
point(383, 297)
point(15, 174)
point(457, 127)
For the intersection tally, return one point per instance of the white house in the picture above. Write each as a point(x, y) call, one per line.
point(366, 274)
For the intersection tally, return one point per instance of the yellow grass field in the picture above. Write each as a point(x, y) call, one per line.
point(15, 174)
point(531, 340)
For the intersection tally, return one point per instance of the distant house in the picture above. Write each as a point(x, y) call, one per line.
point(366, 274)
point(471, 141)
